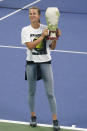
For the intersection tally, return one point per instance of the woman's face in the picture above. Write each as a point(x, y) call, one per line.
point(33, 15)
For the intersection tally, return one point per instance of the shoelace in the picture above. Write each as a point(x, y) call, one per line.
point(55, 122)
point(33, 118)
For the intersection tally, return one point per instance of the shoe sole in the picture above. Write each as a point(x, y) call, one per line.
point(33, 124)
point(56, 129)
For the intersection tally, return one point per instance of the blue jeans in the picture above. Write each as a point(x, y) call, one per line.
point(47, 76)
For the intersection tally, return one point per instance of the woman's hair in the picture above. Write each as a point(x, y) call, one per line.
point(39, 11)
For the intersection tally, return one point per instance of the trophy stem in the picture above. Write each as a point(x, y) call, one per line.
point(52, 35)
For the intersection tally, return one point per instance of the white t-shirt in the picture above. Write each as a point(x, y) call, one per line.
point(41, 53)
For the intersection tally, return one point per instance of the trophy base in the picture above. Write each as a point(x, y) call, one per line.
point(52, 35)
point(51, 38)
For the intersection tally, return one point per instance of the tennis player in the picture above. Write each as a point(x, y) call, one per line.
point(39, 63)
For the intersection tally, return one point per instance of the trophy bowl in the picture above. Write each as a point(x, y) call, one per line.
point(52, 15)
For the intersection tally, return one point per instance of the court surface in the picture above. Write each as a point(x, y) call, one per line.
point(19, 127)
point(69, 63)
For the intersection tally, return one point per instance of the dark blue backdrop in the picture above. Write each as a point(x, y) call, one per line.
point(70, 76)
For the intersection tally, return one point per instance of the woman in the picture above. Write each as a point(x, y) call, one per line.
point(39, 62)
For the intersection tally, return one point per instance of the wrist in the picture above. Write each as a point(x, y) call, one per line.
point(54, 41)
point(42, 36)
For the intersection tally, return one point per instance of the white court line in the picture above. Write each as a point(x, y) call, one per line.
point(72, 52)
point(15, 47)
point(14, 12)
point(61, 51)
point(43, 125)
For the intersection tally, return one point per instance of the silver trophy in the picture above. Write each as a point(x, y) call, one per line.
point(52, 15)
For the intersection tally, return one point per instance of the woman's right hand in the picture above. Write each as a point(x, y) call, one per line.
point(45, 33)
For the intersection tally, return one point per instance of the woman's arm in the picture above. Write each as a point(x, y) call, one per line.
point(54, 42)
point(32, 45)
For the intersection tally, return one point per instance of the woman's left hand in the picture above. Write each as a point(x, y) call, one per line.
point(58, 33)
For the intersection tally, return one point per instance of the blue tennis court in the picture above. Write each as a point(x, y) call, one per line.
point(69, 63)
